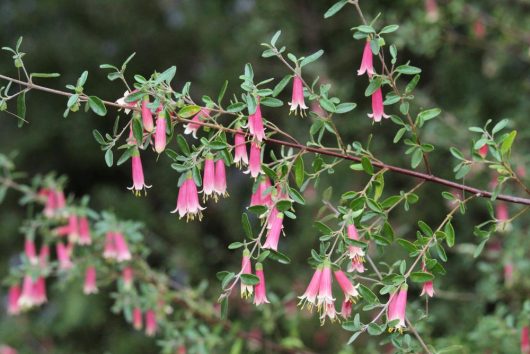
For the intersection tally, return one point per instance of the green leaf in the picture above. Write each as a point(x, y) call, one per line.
point(508, 142)
point(456, 153)
point(224, 308)
point(235, 245)
point(166, 76)
point(408, 70)
point(99, 138)
point(21, 108)
point(246, 225)
point(275, 38)
point(365, 29)
point(137, 130)
point(271, 102)
point(189, 111)
point(373, 86)
point(416, 158)
point(125, 156)
point(450, 234)
point(299, 173)
point(367, 294)
point(421, 277)
point(45, 75)
point(279, 257)
point(429, 114)
point(335, 8)
point(183, 144)
point(236, 107)
point(327, 105)
point(389, 29)
point(222, 92)
point(311, 58)
point(249, 279)
point(499, 126)
point(345, 107)
point(97, 106)
point(109, 157)
point(281, 85)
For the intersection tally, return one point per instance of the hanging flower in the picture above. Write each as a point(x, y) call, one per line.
point(27, 298)
point(109, 251)
point(127, 276)
point(431, 9)
point(525, 340)
point(312, 290)
point(255, 124)
point(377, 106)
point(350, 291)
point(30, 251)
point(39, 291)
point(262, 194)
point(483, 151)
point(13, 298)
point(122, 249)
point(297, 100)
point(150, 323)
point(367, 65)
point(208, 179)
point(84, 231)
point(63, 256)
point(260, 292)
point(193, 127)
point(346, 309)
point(137, 318)
point(160, 132)
point(188, 200)
point(273, 236)
point(73, 228)
point(240, 147)
point(397, 307)
point(254, 166)
point(90, 286)
point(147, 116)
point(325, 300)
point(428, 286)
point(220, 178)
point(246, 268)
point(137, 174)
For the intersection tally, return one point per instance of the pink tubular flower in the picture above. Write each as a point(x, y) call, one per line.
point(255, 124)
point(109, 251)
point(483, 151)
point(397, 307)
point(297, 100)
point(325, 300)
point(377, 106)
point(147, 116)
point(525, 340)
point(261, 196)
point(260, 292)
point(160, 132)
point(63, 256)
point(501, 212)
point(137, 318)
point(254, 166)
point(311, 292)
point(273, 236)
point(346, 309)
point(12, 302)
point(51, 203)
point(208, 179)
point(73, 228)
point(188, 200)
point(355, 252)
point(192, 128)
point(246, 268)
point(27, 298)
point(150, 323)
point(350, 291)
point(220, 178)
point(431, 9)
point(29, 250)
point(367, 65)
point(39, 289)
point(122, 249)
point(127, 277)
point(137, 174)
point(84, 231)
point(428, 286)
point(240, 147)
point(90, 286)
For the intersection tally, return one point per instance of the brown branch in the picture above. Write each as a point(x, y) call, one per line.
point(322, 151)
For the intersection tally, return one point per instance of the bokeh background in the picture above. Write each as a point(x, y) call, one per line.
point(475, 58)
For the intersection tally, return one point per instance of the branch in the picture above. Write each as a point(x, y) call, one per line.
point(322, 151)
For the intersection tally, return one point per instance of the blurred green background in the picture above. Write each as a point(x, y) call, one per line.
point(476, 66)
